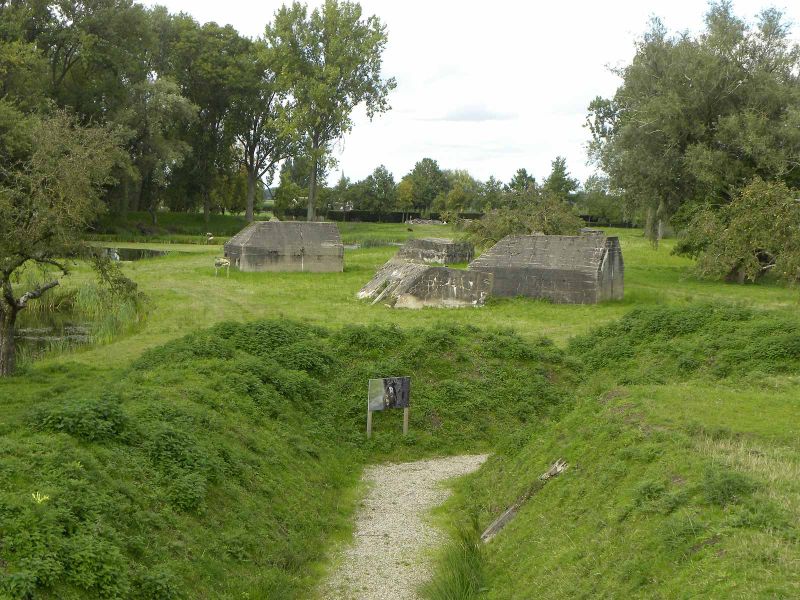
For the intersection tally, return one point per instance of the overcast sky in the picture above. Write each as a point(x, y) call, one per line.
point(488, 86)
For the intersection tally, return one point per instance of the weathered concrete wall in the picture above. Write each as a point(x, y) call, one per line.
point(443, 287)
point(287, 246)
point(564, 269)
point(612, 272)
point(406, 284)
point(389, 276)
point(436, 250)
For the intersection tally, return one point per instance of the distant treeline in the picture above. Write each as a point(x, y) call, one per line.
point(368, 216)
point(432, 192)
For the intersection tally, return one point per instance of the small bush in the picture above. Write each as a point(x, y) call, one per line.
point(306, 355)
point(96, 566)
point(364, 338)
point(722, 487)
point(89, 420)
point(155, 584)
point(656, 344)
point(170, 447)
point(187, 491)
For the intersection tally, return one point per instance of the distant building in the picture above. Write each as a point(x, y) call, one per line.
point(287, 246)
point(582, 269)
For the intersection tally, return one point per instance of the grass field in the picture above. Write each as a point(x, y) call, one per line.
point(680, 430)
point(185, 294)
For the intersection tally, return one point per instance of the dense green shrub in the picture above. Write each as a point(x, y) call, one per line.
point(89, 420)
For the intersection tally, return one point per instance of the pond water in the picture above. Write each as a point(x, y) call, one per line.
point(36, 334)
point(133, 253)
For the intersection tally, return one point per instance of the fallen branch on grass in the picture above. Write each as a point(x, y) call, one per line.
point(555, 469)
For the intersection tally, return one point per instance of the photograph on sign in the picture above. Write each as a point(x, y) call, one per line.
point(389, 392)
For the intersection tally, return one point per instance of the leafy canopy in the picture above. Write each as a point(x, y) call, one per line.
point(697, 117)
point(534, 211)
point(757, 233)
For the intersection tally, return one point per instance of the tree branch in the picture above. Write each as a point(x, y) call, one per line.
point(33, 294)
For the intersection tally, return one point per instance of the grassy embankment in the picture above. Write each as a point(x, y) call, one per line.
point(231, 479)
point(684, 476)
point(222, 464)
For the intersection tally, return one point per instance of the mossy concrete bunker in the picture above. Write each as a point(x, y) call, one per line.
point(406, 284)
point(287, 246)
point(565, 269)
point(441, 251)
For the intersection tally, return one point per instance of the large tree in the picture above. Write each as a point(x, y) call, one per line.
point(526, 212)
point(756, 234)
point(464, 193)
point(155, 119)
point(205, 61)
point(335, 56)
point(559, 182)
point(428, 182)
point(263, 116)
point(521, 181)
point(381, 191)
point(696, 117)
point(94, 49)
point(47, 200)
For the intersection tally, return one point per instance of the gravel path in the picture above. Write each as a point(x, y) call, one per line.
point(390, 557)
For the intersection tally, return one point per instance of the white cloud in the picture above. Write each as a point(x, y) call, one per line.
point(475, 113)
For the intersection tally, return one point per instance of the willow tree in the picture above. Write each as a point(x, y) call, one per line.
point(698, 117)
point(47, 199)
point(334, 57)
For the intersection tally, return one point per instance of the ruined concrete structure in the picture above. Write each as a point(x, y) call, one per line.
point(405, 284)
point(436, 250)
point(581, 269)
point(287, 246)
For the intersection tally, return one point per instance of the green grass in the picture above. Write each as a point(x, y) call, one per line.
point(672, 440)
point(221, 464)
point(683, 477)
point(459, 571)
point(381, 234)
point(185, 295)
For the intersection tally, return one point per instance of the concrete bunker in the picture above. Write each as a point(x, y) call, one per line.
point(583, 269)
point(441, 251)
point(287, 246)
point(405, 284)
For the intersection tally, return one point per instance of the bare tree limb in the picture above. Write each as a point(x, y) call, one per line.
point(33, 294)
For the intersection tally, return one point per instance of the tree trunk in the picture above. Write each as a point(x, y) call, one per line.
point(137, 203)
point(149, 198)
point(206, 206)
point(125, 202)
point(7, 343)
point(311, 214)
point(251, 195)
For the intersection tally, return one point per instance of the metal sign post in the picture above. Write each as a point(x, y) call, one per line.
point(388, 393)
